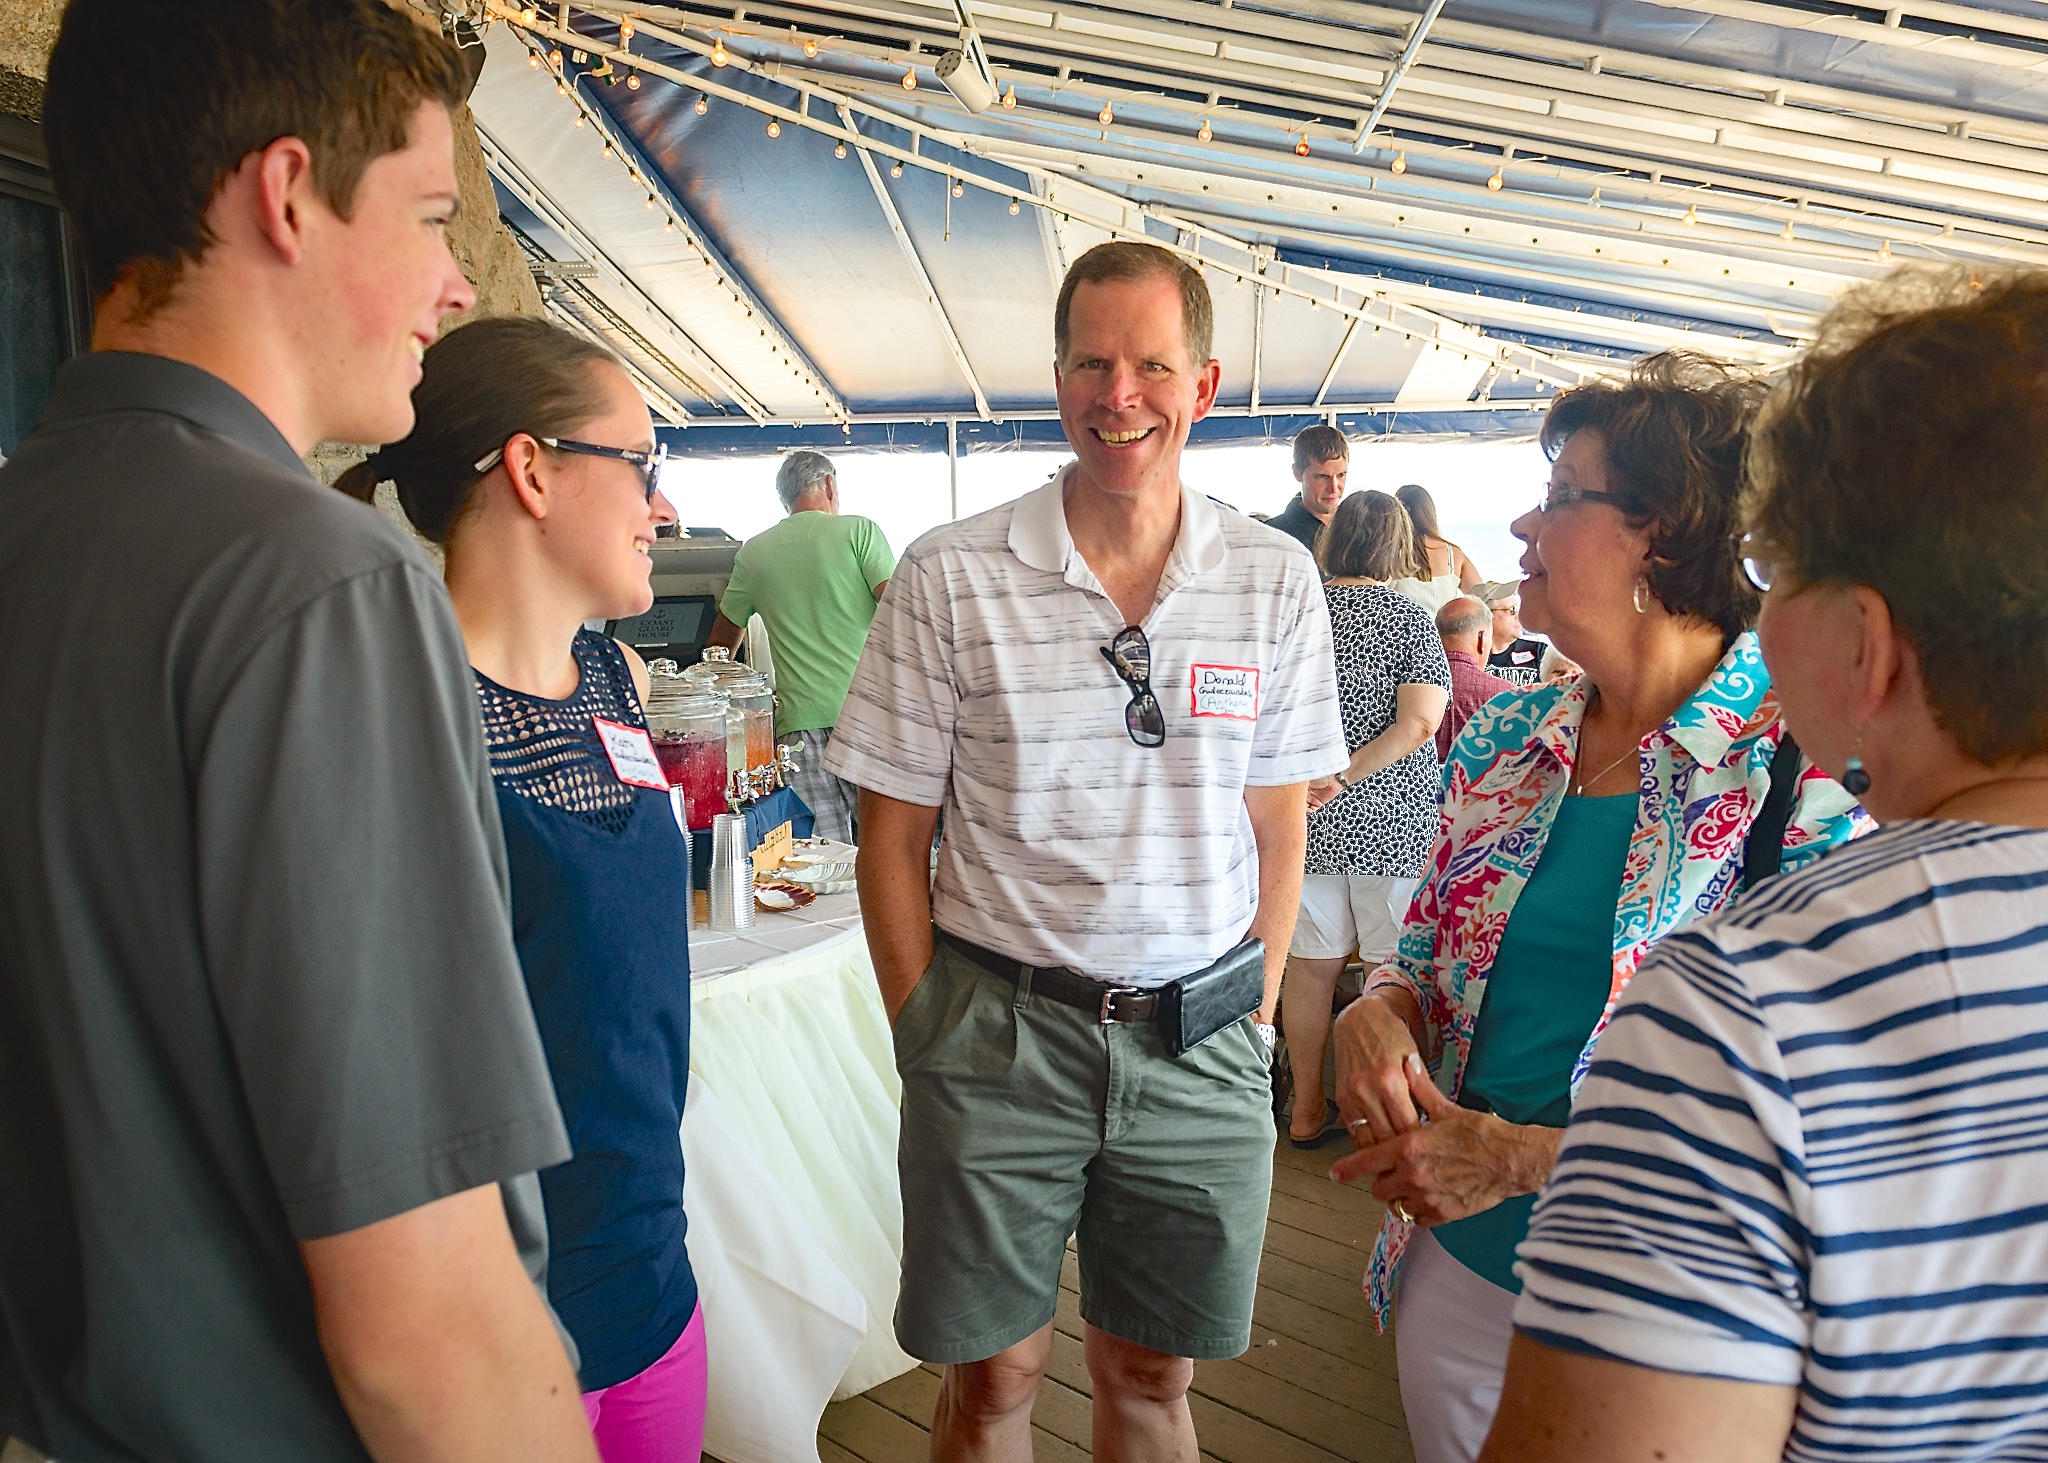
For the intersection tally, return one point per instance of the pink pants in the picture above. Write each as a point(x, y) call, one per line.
point(657, 1416)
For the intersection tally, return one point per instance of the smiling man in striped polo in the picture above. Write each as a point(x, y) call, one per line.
point(1117, 690)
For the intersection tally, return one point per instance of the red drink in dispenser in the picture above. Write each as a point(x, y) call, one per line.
point(700, 773)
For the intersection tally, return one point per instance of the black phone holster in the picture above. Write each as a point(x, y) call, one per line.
point(1197, 1006)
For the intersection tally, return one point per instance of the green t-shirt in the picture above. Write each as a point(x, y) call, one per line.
point(1543, 996)
point(812, 579)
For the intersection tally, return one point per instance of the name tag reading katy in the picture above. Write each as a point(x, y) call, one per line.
point(1226, 690)
point(632, 754)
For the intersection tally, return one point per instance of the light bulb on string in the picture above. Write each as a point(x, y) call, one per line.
point(910, 79)
point(561, 88)
point(633, 81)
point(532, 62)
point(839, 151)
point(703, 104)
point(1884, 250)
point(958, 188)
point(1013, 208)
point(668, 226)
point(810, 47)
point(1787, 235)
point(1496, 182)
point(579, 121)
point(625, 30)
point(1301, 147)
point(650, 203)
point(1692, 215)
point(1204, 132)
point(607, 149)
point(555, 59)
point(530, 15)
point(1106, 115)
point(1010, 99)
point(718, 53)
point(896, 170)
point(774, 128)
point(1400, 162)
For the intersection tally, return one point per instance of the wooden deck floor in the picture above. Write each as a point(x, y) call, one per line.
point(1317, 1386)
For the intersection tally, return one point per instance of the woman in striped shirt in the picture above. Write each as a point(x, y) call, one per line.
point(1802, 1207)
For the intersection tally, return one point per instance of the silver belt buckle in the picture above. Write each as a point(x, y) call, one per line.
point(1108, 997)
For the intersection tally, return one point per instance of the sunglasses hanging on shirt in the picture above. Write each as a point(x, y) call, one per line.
point(1130, 656)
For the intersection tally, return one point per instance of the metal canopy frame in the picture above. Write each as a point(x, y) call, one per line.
point(1595, 196)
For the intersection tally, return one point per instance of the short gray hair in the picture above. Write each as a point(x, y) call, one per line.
point(1462, 616)
point(799, 473)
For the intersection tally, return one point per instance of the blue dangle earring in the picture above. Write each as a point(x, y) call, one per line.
point(1855, 781)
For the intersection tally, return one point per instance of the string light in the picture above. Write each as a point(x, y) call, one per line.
point(703, 104)
point(1884, 250)
point(896, 170)
point(910, 79)
point(625, 30)
point(650, 203)
point(561, 88)
point(668, 226)
point(607, 149)
point(810, 46)
point(1400, 163)
point(839, 151)
point(532, 62)
point(958, 188)
point(1787, 235)
point(1013, 208)
point(1692, 215)
point(1010, 99)
point(1106, 115)
point(1595, 199)
point(1495, 183)
point(1204, 132)
point(774, 128)
point(633, 81)
point(1301, 147)
point(579, 121)
point(555, 59)
point(718, 54)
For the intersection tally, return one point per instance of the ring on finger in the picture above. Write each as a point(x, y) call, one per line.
point(1401, 1213)
point(1356, 1123)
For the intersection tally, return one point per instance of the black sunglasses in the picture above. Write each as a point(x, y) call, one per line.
point(649, 463)
point(1130, 656)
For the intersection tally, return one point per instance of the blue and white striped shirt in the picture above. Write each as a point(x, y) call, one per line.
point(1812, 1150)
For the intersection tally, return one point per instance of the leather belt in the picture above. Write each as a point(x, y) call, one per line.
point(1108, 1004)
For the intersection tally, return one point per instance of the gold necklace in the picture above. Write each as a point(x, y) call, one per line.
point(1586, 782)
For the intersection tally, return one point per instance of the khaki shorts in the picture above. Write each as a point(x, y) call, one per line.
point(1026, 1121)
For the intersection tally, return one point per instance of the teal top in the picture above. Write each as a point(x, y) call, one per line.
point(1546, 991)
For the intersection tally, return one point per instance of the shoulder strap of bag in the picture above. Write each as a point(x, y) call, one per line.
point(1764, 849)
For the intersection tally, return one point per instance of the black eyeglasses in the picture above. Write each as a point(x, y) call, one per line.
point(1130, 656)
point(649, 463)
point(1563, 495)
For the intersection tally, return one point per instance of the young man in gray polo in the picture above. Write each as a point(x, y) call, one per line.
point(271, 1093)
point(1106, 832)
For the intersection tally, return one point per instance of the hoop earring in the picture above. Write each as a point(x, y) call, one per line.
point(1642, 595)
point(1855, 781)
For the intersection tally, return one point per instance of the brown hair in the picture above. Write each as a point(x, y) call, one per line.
point(480, 385)
point(1129, 262)
point(1367, 537)
point(1908, 451)
point(150, 106)
point(1422, 513)
point(1674, 433)
point(1319, 444)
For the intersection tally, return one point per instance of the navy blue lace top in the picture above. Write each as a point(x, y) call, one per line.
point(600, 913)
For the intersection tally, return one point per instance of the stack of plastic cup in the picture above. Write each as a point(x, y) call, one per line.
point(732, 874)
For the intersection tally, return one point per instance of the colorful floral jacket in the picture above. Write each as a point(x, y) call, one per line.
point(1704, 776)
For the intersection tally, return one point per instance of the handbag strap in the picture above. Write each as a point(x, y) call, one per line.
point(1763, 850)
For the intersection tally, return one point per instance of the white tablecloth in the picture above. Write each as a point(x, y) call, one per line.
point(789, 1144)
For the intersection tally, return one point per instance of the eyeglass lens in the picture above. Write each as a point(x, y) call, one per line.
point(1130, 656)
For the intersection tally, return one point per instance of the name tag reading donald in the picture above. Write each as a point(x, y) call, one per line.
point(1225, 690)
point(632, 754)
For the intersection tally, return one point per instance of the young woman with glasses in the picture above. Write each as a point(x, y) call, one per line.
point(534, 465)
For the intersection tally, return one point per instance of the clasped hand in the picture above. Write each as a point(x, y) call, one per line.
point(1424, 1155)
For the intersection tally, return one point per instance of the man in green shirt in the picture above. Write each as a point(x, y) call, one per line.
point(814, 579)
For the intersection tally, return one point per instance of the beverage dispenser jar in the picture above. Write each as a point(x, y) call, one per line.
point(689, 731)
point(753, 705)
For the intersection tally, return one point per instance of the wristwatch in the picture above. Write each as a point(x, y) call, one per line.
point(1342, 781)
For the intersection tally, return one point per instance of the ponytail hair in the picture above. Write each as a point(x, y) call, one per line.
point(480, 384)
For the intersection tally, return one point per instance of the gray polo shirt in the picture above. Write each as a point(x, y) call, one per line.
point(257, 981)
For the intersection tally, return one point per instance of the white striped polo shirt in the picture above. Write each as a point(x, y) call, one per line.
point(983, 690)
point(1812, 1150)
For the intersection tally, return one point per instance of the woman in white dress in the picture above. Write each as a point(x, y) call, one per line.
point(1444, 571)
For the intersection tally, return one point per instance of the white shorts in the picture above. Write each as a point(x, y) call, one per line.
point(1345, 912)
point(1451, 1335)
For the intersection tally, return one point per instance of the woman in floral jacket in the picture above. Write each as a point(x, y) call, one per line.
point(1582, 821)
